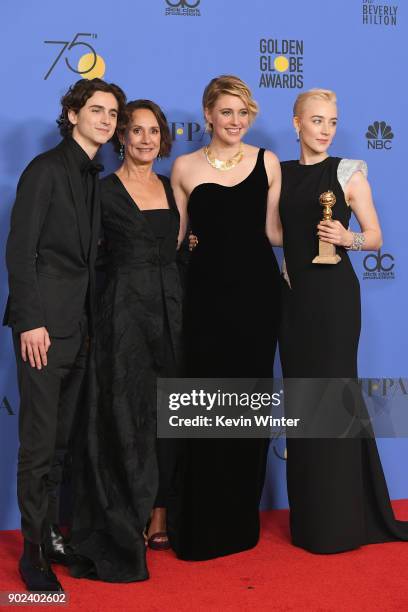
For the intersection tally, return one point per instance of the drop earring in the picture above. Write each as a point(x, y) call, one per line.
point(122, 152)
point(297, 135)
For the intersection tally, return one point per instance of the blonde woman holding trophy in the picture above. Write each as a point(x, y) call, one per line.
point(337, 491)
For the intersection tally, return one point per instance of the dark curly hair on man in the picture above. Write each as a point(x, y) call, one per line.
point(123, 124)
point(77, 96)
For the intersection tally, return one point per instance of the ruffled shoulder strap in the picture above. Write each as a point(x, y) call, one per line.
point(346, 169)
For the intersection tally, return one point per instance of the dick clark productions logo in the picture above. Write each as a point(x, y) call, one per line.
point(379, 266)
point(184, 8)
point(379, 136)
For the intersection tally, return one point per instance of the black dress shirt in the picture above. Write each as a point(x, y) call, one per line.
point(89, 171)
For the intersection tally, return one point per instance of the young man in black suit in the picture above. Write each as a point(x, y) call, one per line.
point(51, 252)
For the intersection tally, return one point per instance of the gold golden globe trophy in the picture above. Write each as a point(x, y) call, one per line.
point(327, 251)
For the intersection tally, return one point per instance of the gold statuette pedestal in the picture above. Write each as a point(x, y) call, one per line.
point(327, 251)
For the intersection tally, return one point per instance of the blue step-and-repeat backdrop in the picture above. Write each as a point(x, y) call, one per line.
point(168, 50)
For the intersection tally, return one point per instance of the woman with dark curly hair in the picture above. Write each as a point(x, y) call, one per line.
point(125, 471)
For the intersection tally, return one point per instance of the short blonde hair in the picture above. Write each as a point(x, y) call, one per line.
point(228, 84)
point(313, 94)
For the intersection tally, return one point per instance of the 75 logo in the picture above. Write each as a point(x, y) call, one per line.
point(68, 46)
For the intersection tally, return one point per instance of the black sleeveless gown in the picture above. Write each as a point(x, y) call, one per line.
point(337, 492)
point(231, 314)
point(122, 471)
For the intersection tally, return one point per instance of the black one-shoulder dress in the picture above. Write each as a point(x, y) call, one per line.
point(231, 318)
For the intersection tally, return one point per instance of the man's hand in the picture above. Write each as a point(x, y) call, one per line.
point(34, 346)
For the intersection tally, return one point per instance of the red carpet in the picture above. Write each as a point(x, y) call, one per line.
point(273, 576)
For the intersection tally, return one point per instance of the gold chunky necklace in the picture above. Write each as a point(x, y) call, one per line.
point(220, 164)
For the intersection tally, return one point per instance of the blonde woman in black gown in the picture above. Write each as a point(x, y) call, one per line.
point(229, 191)
point(337, 491)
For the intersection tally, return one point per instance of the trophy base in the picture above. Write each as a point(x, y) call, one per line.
point(326, 259)
point(327, 254)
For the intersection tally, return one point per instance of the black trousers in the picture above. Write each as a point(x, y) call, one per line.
point(48, 402)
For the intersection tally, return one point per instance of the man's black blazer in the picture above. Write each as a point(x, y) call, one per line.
point(51, 247)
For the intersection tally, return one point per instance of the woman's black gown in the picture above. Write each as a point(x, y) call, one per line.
point(137, 338)
point(337, 491)
point(231, 314)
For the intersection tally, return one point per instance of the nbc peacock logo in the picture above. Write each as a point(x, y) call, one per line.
point(379, 136)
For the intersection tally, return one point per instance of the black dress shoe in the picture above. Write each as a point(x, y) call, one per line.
point(55, 546)
point(36, 571)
